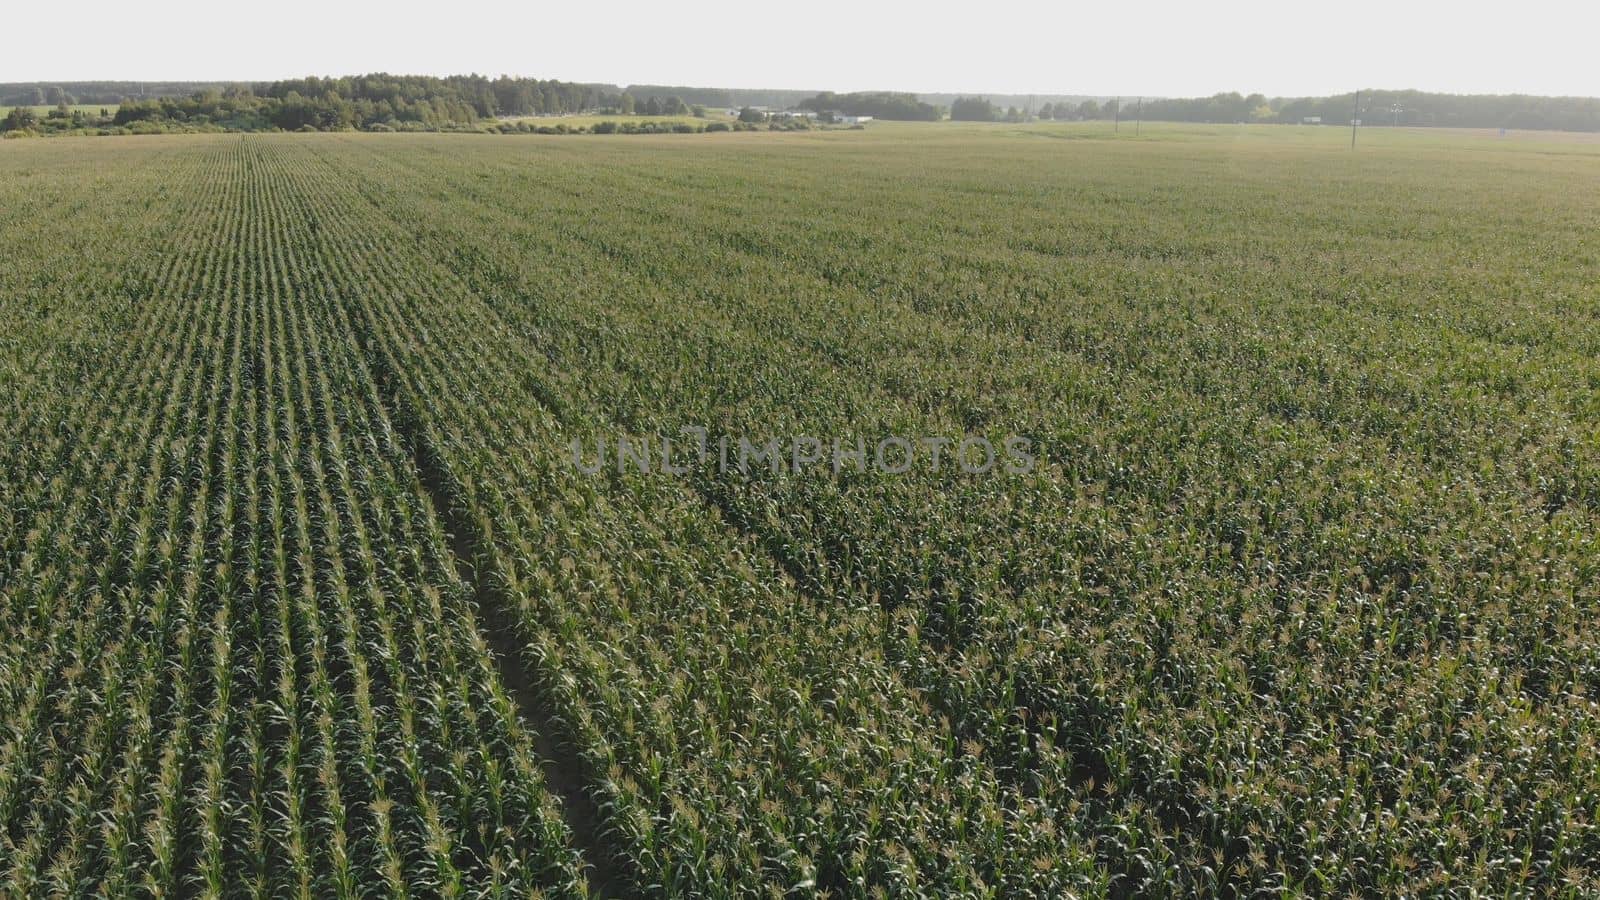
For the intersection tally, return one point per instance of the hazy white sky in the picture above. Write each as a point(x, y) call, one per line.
point(1150, 47)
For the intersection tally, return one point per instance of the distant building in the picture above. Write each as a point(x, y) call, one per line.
point(1311, 120)
point(852, 120)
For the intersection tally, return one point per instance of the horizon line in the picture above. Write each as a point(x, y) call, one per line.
point(813, 90)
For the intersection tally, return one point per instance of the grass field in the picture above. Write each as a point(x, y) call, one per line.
point(301, 593)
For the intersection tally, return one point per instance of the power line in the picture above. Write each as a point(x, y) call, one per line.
point(1355, 120)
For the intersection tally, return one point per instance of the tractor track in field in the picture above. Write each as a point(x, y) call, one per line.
point(564, 773)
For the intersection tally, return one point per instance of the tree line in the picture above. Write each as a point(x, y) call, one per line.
point(981, 109)
point(98, 93)
point(396, 101)
point(1418, 108)
point(371, 102)
point(878, 104)
point(1395, 108)
point(423, 103)
point(724, 98)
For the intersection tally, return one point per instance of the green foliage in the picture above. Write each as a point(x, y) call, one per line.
point(1407, 108)
point(512, 97)
point(375, 103)
point(250, 662)
point(401, 103)
point(300, 594)
point(100, 93)
point(878, 104)
point(1226, 108)
point(721, 98)
point(973, 109)
point(20, 118)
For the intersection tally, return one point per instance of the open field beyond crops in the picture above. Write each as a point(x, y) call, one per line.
point(300, 594)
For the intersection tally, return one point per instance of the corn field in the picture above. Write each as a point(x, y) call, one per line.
point(301, 594)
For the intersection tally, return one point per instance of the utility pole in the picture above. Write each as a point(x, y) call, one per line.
point(1355, 121)
point(1116, 117)
point(1138, 116)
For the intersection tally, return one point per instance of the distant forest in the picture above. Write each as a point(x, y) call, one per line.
point(378, 102)
point(374, 102)
point(1395, 108)
point(726, 98)
point(1402, 108)
point(383, 102)
point(103, 93)
point(878, 104)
